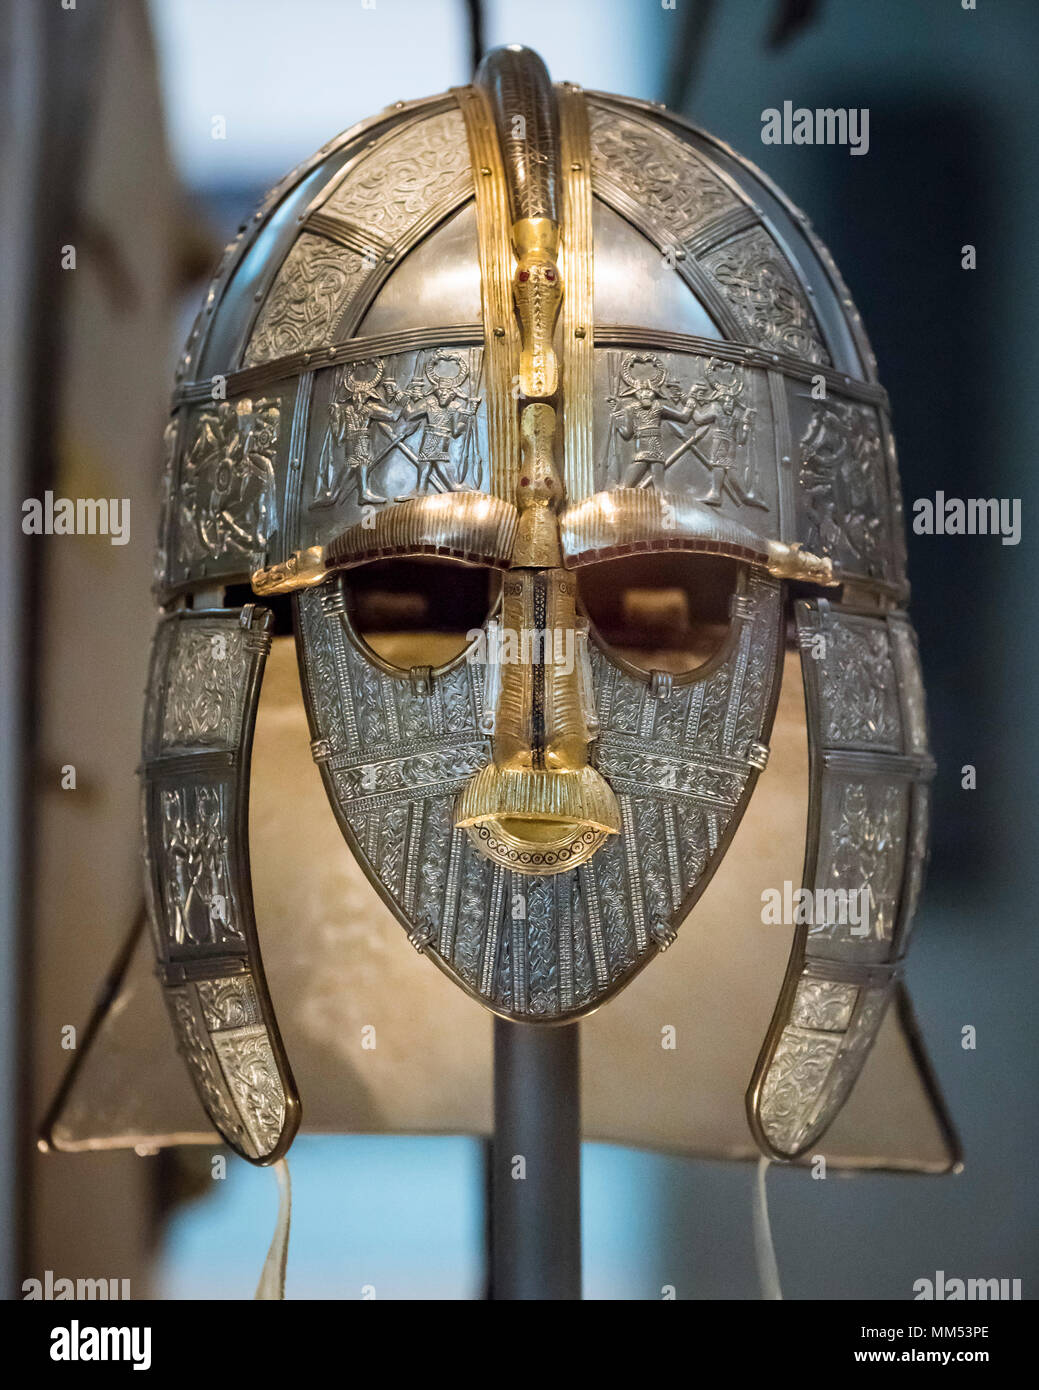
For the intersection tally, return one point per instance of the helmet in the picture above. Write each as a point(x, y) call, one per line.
point(548, 426)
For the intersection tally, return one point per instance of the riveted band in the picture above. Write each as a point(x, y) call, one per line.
point(578, 277)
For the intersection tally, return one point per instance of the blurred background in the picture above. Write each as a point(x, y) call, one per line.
point(108, 145)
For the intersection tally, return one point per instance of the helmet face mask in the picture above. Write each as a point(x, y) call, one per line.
point(543, 552)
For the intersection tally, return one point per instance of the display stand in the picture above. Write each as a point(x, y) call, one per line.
point(535, 1198)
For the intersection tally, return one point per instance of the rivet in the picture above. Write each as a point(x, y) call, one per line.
point(579, 333)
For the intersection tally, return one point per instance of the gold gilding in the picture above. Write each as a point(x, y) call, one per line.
point(629, 521)
point(539, 721)
point(538, 293)
point(538, 822)
point(539, 807)
point(302, 570)
point(501, 334)
point(540, 491)
point(577, 259)
point(468, 526)
point(794, 562)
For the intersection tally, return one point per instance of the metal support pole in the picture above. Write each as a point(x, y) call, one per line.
point(535, 1225)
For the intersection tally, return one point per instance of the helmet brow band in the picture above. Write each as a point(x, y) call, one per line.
point(630, 521)
point(467, 526)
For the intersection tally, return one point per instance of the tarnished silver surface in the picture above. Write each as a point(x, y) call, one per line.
point(812, 262)
point(437, 283)
point(867, 833)
point(518, 86)
point(212, 346)
point(406, 182)
point(630, 270)
point(201, 705)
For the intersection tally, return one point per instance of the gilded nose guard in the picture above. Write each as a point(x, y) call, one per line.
point(539, 807)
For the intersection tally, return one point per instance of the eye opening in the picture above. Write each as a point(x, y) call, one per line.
point(663, 612)
point(418, 612)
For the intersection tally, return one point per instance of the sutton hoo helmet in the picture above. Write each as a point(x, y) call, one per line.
point(557, 427)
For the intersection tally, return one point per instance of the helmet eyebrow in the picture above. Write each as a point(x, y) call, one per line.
point(630, 521)
point(470, 526)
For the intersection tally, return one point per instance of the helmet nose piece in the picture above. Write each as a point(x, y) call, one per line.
point(539, 807)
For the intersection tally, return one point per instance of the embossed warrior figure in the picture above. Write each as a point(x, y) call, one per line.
point(356, 404)
point(643, 420)
point(862, 849)
point(729, 422)
point(437, 397)
point(197, 891)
